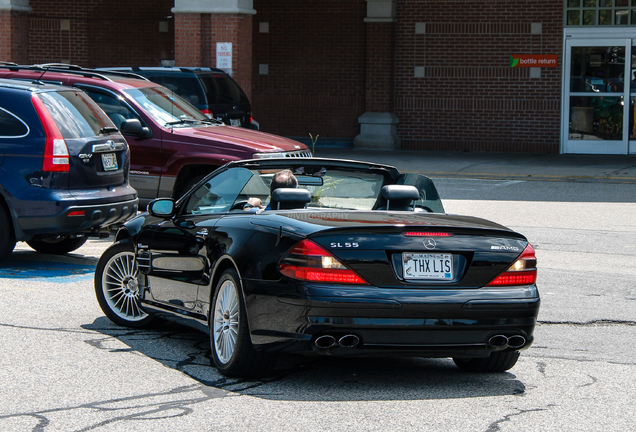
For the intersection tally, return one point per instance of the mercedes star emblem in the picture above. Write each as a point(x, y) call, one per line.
point(429, 243)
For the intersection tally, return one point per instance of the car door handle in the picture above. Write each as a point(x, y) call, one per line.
point(202, 234)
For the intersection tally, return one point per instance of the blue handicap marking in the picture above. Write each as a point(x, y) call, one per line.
point(49, 271)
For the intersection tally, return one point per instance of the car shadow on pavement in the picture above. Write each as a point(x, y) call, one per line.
point(299, 378)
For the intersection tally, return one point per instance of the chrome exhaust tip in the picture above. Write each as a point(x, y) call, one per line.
point(516, 341)
point(325, 341)
point(498, 342)
point(349, 341)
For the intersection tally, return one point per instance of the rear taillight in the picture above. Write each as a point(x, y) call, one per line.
point(308, 261)
point(521, 272)
point(208, 113)
point(56, 158)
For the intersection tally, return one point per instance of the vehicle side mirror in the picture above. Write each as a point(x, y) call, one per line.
point(162, 208)
point(134, 127)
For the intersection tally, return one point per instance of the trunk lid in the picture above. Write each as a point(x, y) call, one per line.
point(410, 250)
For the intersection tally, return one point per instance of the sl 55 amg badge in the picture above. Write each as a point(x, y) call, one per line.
point(345, 245)
point(505, 248)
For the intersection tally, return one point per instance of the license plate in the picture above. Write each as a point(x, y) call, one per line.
point(109, 160)
point(235, 122)
point(427, 266)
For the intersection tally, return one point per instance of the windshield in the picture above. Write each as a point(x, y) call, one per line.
point(165, 107)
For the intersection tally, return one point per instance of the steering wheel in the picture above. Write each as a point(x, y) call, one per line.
point(238, 205)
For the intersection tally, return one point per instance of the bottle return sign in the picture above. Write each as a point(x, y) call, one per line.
point(224, 55)
point(533, 60)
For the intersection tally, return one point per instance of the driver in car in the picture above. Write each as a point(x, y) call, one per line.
point(282, 179)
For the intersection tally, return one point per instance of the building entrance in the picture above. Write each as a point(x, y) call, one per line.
point(599, 90)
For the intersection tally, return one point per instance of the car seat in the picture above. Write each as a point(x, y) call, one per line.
point(289, 198)
point(398, 197)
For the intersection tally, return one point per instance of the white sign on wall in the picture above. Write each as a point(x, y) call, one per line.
point(224, 55)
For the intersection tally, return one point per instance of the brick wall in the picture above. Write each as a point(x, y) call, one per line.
point(469, 97)
point(13, 36)
point(380, 79)
point(196, 36)
point(315, 51)
point(100, 32)
point(326, 66)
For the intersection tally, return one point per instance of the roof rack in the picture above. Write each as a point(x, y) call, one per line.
point(73, 69)
point(8, 63)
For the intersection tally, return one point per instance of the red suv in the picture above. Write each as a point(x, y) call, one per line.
point(173, 145)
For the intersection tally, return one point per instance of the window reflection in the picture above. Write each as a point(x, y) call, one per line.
point(597, 69)
point(632, 131)
point(596, 118)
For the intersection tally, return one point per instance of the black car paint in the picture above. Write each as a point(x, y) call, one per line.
point(389, 317)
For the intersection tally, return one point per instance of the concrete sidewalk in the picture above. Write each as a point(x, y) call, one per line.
point(541, 167)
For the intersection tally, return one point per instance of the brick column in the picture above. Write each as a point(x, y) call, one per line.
point(14, 30)
point(378, 125)
point(200, 24)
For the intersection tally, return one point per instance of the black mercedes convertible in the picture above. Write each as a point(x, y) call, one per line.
point(357, 260)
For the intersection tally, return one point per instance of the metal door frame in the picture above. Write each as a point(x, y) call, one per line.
point(594, 146)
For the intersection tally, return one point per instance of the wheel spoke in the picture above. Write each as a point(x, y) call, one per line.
point(225, 321)
point(120, 287)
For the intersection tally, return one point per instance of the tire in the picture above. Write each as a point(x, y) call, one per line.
point(232, 351)
point(117, 288)
point(499, 361)
point(7, 236)
point(57, 245)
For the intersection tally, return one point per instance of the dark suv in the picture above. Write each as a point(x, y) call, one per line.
point(173, 145)
point(63, 169)
point(213, 91)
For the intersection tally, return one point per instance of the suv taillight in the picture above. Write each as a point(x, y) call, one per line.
point(208, 113)
point(522, 272)
point(309, 262)
point(56, 157)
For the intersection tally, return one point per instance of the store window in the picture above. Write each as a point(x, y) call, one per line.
point(600, 12)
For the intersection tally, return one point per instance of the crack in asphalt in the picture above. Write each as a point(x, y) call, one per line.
point(598, 322)
point(148, 410)
point(541, 368)
point(494, 426)
point(594, 381)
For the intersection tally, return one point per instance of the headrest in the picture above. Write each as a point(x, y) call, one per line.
point(289, 198)
point(400, 192)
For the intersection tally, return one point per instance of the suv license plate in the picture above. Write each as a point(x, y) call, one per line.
point(427, 266)
point(235, 122)
point(109, 160)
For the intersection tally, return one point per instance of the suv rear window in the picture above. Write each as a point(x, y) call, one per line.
point(11, 126)
point(75, 114)
point(186, 87)
point(221, 89)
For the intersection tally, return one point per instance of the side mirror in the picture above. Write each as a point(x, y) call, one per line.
point(134, 127)
point(162, 208)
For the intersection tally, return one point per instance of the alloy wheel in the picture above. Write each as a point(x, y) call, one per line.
point(121, 288)
point(226, 321)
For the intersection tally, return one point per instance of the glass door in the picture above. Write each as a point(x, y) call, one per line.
point(632, 97)
point(597, 84)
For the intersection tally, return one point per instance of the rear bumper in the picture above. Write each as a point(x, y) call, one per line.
point(62, 213)
point(430, 323)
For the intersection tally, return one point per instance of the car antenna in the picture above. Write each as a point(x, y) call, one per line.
point(46, 69)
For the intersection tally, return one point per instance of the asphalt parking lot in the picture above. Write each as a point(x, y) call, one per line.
point(65, 367)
